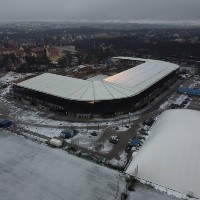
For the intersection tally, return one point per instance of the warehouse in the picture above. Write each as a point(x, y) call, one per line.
point(170, 157)
point(121, 93)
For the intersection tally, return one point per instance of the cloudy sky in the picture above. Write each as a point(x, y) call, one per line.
point(153, 10)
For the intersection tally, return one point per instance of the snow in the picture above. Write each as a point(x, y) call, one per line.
point(33, 171)
point(106, 147)
point(122, 160)
point(170, 156)
point(12, 76)
point(50, 132)
point(165, 105)
point(181, 99)
point(123, 128)
point(85, 139)
point(174, 100)
point(145, 192)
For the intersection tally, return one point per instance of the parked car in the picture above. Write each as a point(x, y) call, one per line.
point(128, 149)
point(114, 139)
point(129, 141)
point(94, 133)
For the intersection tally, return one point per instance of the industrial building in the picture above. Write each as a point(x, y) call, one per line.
point(170, 156)
point(121, 93)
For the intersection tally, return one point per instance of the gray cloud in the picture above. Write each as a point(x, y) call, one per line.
point(168, 10)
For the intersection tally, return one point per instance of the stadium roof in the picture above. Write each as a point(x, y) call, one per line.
point(170, 156)
point(125, 84)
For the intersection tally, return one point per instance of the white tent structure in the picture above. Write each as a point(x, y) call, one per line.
point(171, 155)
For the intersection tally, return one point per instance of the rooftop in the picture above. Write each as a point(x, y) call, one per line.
point(170, 156)
point(125, 84)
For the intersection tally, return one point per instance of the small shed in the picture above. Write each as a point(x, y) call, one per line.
point(68, 133)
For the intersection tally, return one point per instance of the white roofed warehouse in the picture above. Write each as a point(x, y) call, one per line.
point(170, 157)
point(120, 93)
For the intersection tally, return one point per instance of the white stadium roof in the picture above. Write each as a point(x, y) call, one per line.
point(125, 84)
point(171, 155)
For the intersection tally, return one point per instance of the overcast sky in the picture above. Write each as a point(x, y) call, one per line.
point(155, 10)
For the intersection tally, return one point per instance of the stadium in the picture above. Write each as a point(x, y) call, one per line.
point(121, 93)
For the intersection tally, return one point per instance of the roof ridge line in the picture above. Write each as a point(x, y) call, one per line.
point(77, 90)
point(118, 85)
point(85, 91)
point(107, 89)
point(110, 85)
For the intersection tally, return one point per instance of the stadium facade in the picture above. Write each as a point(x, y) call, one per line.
point(121, 93)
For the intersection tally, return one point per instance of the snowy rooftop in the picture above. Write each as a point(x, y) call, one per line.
point(125, 84)
point(142, 76)
point(32, 171)
point(170, 157)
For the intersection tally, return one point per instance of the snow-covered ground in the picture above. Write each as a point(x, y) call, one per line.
point(85, 139)
point(174, 100)
point(121, 162)
point(49, 132)
point(106, 147)
point(180, 99)
point(33, 171)
point(12, 76)
point(123, 128)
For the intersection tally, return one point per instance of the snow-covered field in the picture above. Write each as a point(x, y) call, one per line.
point(33, 171)
point(121, 162)
point(106, 147)
point(49, 132)
point(85, 139)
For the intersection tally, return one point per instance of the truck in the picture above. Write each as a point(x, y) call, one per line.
point(67, 134)
point(55, 142)
point(4, 123)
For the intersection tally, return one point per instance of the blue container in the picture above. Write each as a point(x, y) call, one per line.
point(4, 123)
point(134, 143)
